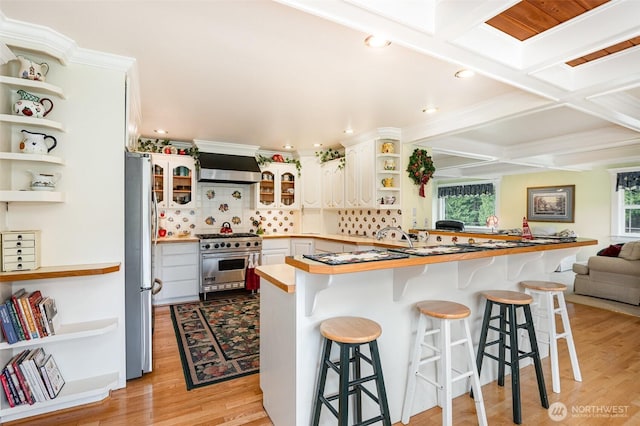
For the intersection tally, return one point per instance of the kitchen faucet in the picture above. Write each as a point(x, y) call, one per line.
point(382, 232)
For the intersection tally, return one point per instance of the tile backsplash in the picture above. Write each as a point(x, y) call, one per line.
point(217, 203)
point(366, 222)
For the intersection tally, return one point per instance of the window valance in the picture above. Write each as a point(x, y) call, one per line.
point(463, 190)
point(628, 180)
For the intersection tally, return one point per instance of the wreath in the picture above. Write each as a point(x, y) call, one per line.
point(420, 168)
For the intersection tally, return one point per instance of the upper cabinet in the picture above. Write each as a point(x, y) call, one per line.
point(311, 172)
point(33, 171)
point(372, 170)
point(278, 186)
point(174, 180)
point(332, 184)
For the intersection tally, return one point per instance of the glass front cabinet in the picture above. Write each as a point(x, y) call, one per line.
point(174, 180)
point(278, 187)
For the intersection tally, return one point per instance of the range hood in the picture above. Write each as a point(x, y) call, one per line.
point(228, 168)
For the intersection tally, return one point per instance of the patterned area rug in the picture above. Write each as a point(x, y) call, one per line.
point(219, 339)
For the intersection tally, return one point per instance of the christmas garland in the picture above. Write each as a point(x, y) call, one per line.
point(420, 168)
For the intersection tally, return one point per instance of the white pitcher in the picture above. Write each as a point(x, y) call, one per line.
point(32, 70)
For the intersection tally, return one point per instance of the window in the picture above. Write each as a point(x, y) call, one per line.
point(469, 203)
point(625, 203)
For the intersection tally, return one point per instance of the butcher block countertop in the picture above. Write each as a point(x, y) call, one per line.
point(315, 267)
point(173, 240)
point(282, 276)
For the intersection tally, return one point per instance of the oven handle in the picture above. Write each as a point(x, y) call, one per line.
point(228, 256)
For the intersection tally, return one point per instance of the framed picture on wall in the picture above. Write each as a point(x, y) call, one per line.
point(551, 203)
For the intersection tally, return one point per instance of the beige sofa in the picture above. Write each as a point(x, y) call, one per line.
point(615, 278)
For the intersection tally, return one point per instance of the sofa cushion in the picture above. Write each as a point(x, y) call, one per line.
point(630, 251)
point(611, 251)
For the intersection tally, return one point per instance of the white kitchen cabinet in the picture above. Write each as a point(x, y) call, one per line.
point(176, 265)
point(16, 188)
point(333, 184)
point(311, 182)
point(278, 186)
point(174, 180)
point(300, 246)
point(360, 175)
point(274, 250)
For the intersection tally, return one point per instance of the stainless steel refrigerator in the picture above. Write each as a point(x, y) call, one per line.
point(139, 220)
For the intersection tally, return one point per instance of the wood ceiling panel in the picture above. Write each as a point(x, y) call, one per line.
point(618, 47)
point(532, 17)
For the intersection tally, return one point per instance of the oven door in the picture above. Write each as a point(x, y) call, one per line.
point(220, 271)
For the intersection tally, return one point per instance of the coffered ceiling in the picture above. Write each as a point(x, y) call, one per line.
point(296, 71)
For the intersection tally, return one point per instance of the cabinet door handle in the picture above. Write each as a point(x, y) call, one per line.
point(157, 286)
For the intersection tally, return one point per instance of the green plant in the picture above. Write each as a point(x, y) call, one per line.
point(331, 154)
point(263, 160)
point(158, 145)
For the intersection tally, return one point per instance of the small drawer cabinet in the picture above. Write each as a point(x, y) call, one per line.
point(20, 250)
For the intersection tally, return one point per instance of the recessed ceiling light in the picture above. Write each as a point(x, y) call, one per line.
point(465, 73)
point(287, 146)
point(161, 131)
point(375, 41)
point(348, 131)
point(430, 110)
point(317, 145)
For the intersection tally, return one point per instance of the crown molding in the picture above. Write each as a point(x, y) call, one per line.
point(29, 36)
point(226, 148)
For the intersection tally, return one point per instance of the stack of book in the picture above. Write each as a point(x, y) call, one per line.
point(31, 376)
point(27, 316)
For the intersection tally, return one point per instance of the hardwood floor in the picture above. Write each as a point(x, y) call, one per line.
point(608, 347)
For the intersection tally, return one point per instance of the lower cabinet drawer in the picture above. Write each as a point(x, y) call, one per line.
point(20, 258)
point(18, 266)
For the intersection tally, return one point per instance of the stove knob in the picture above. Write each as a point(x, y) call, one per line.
point(248, 244)
point(228, 245)
point(207, 246)
point(237, 244)
point(257, 243)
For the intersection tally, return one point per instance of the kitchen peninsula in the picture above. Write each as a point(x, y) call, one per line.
point(298, 296)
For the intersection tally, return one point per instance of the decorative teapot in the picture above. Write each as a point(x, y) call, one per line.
point(43, 181)
point(226, 228)
point(32, 70)
point(32, 106)
point(387, 182)
point(35, 143)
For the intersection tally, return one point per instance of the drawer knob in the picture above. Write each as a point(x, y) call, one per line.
point(19, 258)
point(19, 244)
point(19, 251)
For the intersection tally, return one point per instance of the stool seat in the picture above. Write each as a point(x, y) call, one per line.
point(543, 285)
point(350, 330)
point(443, 309)
point(508, 297)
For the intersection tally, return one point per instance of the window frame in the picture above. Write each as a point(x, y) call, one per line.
point(617, 207)
point(438, 203)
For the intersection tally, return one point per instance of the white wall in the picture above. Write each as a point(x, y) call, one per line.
point(89, 226)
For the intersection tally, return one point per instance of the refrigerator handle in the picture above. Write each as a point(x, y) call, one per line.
point(157, 286)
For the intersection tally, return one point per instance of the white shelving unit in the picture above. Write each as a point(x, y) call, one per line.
point(75, 392)
point(382, 172)
point(12, 195)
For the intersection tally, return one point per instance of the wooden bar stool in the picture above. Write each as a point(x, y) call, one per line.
point(545, 308)
point(350, 333)
point(444, 313)
point(508, 302)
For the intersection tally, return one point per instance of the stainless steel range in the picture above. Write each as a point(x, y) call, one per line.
point(224, 259)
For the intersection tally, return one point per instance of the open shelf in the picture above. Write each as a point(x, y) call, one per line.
point(41, 158)
point(68, 332)
point(74, 392)
point(32, 196)
point(37, 86)
point(29, 121)
point(63, 271)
